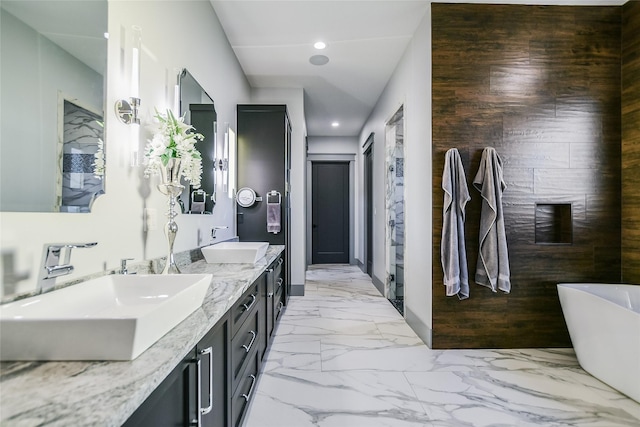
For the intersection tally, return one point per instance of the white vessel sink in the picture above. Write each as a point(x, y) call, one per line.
point(113, 317)
point(235, 252)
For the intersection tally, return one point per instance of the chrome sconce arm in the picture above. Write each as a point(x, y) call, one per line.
point(127, 111)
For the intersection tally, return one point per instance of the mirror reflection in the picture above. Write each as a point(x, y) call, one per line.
point(52, 71)
point(199, 111)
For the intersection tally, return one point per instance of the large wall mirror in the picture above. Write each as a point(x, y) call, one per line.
point(199, 111)
point(52, 71)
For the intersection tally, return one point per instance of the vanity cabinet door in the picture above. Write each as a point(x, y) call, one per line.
point(215, 384)
point(173, 403)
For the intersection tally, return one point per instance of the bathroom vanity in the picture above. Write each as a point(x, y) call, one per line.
point(202, 372)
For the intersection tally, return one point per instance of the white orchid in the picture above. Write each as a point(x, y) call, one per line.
point(174, 139)
point(98, 157)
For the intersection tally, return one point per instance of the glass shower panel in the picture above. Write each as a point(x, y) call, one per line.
point(395, 231)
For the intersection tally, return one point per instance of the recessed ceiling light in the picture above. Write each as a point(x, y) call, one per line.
point(335, 124)
point(319, 45)
point(319, 59)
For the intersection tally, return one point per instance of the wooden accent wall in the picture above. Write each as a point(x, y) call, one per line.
point(631, 142)
point(540, 84)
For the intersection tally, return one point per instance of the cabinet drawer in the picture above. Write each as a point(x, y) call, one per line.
point(245, 306)
point(246, 388)
point(244, 345)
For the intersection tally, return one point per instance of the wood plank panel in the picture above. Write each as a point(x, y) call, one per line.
point(542, 85)
point(631, 142)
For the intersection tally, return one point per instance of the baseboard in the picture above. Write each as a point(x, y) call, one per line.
point(378, 284)
point(422, 330)
point(297, 290)
point(361, 266)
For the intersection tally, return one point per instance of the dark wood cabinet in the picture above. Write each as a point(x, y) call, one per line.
point(264, 165)
point(214, 384)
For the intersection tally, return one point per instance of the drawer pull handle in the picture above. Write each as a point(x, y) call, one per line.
point(253, 300)
point(280, 261)
point(280, 305)
point(270, 295)
point(209, 351)
point(198, 420)
point(270, 270)
point(253, 338)
point(253, 382)
point(280, 282)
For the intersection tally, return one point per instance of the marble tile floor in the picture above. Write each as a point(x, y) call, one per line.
point(343, 356)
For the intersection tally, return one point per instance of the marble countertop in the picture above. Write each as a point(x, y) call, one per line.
point(107, 393)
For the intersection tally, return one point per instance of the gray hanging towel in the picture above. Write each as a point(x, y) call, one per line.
point(492, 269)
point(452, 248)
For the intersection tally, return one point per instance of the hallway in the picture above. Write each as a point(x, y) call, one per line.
point(344, 357)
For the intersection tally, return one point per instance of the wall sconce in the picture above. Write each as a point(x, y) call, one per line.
point(229, 174)
point(127, 110)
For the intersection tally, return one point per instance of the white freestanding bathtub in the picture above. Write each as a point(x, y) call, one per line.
point(604, 325)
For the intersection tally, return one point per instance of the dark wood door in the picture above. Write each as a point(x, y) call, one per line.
point(330, 213)
point(173, 403)
point(368, 183)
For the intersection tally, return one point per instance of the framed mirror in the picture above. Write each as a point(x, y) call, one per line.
point(199, 111)
point(53, 73)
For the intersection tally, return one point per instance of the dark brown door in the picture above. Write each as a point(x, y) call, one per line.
point(330, 213)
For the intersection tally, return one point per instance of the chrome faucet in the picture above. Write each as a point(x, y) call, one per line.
point(123, 266)
point(216, 228)
point(52, 267)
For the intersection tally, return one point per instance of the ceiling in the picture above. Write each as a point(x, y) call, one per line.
point(76, 26)
point(273, 41)
point(365, 39)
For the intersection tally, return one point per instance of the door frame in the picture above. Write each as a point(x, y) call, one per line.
point(367, 218)
point(319, 208)
point(350, 158)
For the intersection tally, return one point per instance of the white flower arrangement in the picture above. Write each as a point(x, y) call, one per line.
point(174, 139)
point(98, 160)
point(98, 156)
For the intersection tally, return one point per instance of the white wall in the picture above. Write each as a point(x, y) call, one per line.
point(175, 34)
point(333, 145)
point(294, 100)
point(410, 86)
